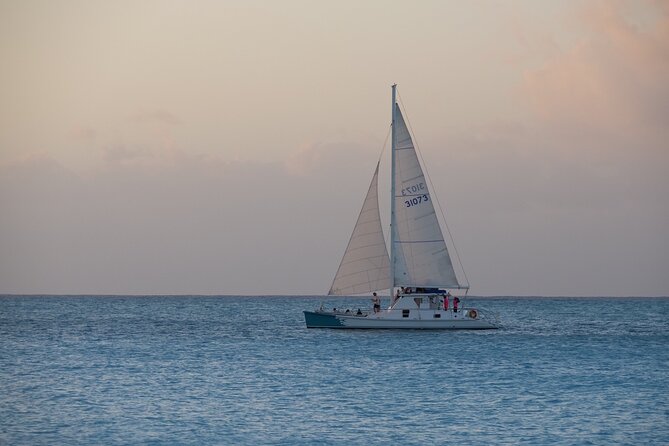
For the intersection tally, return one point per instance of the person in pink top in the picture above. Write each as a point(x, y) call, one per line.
point(446, 296)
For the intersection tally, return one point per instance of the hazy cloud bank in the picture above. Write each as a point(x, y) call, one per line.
point(227, 152)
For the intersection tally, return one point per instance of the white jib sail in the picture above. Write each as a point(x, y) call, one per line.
point(421, 255)
point(365, 266)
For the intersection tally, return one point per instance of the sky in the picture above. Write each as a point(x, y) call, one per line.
point(225, 147)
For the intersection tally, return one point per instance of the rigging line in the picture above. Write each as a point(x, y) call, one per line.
point(443, 216)
point(385, 144)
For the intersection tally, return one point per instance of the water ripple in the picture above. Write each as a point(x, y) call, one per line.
point(207, 370)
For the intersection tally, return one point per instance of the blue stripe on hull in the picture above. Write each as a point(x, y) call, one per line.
point(320, 320)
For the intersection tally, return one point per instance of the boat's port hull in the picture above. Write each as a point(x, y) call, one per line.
point(385, 320)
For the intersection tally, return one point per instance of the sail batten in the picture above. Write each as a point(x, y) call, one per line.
point(420, 241)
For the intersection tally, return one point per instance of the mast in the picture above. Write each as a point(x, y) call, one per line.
point(392, 198)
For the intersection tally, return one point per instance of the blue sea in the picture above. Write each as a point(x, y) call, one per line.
point(245, 370)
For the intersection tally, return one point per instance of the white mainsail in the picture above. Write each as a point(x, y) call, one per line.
point(421, 257)
point(365, 266)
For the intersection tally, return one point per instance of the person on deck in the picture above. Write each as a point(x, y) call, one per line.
point(456, 301)
point(377, 303)
point(446, 296)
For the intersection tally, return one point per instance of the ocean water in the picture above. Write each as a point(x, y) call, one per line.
point(245, 370)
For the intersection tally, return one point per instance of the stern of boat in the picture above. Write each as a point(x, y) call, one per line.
point(486, 317)
point(320, 319)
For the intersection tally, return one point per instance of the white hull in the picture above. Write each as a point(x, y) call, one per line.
point(394, 319)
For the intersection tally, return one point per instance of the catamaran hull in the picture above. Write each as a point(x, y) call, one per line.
point(317, 319)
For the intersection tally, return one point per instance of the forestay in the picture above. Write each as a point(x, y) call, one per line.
point(365, 266)
point(421, 255)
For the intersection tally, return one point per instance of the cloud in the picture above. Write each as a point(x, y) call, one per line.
point(612, 81)
point(84, 133)
point(329, 157)
point(194, 225)
point(158, 116)
point(572, 195)
point(304, 159)
point(121, 153)
point(600, 113)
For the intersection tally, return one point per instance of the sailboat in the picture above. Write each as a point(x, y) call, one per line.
point(418, 273)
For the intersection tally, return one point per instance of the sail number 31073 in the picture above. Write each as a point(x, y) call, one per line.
point(417, 199)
